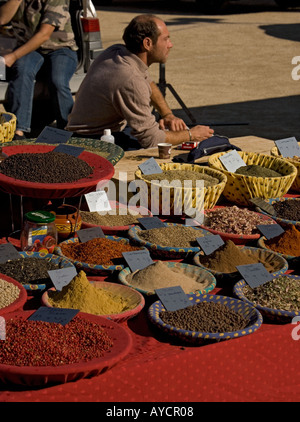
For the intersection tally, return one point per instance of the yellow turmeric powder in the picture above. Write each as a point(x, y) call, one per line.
point(81, 294)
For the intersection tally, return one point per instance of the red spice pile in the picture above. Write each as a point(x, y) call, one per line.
point(39, 343)
point(99, 251)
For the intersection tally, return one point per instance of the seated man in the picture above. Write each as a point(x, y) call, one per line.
point(44, 35)
point(117, 92)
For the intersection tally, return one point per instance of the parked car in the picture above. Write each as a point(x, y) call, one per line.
point(86, 27)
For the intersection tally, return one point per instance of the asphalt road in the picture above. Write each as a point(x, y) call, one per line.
point(232, 70)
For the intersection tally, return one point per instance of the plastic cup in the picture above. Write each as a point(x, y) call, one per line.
point(164, 150)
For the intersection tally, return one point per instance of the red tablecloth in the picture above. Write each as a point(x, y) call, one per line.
point(261, 367)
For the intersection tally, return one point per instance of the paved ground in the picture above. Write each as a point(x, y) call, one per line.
point(232, 67)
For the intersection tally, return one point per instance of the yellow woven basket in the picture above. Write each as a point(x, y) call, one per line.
point(240, 189)
point(296, 184)
point(7, 126)
point(161, 198)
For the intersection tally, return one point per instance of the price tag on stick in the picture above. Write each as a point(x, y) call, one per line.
point(58, 315)
point(69, 149)
point(90, 233)
point(288, 147)
point(8, 252)
point(232, 161)
point(62, 277)
point(210, 243)
point(138, 260)
point(53, 135)
point(98, 201)
point(255, 274)
point(151, 222)
point(173, 298)
point(270, 230)
point(150, 167)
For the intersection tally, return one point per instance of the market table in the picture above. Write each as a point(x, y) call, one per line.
point(260, 367)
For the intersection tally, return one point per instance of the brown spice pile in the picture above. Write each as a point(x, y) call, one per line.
point(227, 258)
point(173, 236)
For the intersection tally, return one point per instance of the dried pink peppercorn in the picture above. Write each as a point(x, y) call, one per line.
point(39, 343)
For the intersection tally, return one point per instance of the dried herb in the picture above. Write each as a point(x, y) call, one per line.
point(29, 270)
point(280, 293)
point(257, 171)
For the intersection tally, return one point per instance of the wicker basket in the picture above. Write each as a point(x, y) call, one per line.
point(240, 189)
point(7, 126)
point(175, 199)
point(296, 184)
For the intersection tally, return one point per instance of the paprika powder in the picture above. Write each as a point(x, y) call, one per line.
point(287, 243)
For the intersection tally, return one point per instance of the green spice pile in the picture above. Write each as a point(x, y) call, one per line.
point(9, 292)
point(39, 343)
point(207, 317)
point(280, 293)
point(173, 236)
point(29, 270)
point(50, 167)
point(257, 171)
point(288, 209)
point(109, 220)
point(182, 175)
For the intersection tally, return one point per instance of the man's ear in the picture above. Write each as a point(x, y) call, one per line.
point(147, 43)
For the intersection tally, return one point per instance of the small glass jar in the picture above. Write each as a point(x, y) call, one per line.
point(39, 232)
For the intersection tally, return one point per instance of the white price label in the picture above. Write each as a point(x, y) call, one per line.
point(98, 201)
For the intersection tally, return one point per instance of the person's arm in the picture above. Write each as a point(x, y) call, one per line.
point(168, 120)
point(8, 11)
point(178, 131)
point(33, 44)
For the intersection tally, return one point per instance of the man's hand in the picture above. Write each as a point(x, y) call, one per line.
point(9, 59)
point(172, 123)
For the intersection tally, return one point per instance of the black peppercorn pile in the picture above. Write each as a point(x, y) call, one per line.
point(288, 209)
point(50, 167)
point(205, 317)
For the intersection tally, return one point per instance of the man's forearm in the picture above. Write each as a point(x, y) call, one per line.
point(8, 11)
point(158, 101)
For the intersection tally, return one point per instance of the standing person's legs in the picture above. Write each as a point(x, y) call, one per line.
point(21, 89)
point(61, 65)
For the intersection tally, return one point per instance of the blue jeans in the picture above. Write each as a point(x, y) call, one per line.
point(60, 66)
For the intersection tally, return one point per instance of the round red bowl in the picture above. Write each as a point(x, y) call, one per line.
point(238, 239)
point(19, 302)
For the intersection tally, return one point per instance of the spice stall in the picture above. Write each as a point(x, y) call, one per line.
point(252, 358)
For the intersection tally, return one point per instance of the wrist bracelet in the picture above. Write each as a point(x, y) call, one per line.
point(190, 135)
point(165, 115)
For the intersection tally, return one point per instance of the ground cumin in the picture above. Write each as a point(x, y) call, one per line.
point(98, 251)
point(173, 236)
point(108, 220)
point(227, 258)
point(81, 294)
point(287, 243)
point(159, 275)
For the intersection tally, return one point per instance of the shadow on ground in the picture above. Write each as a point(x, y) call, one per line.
point(273, 118)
